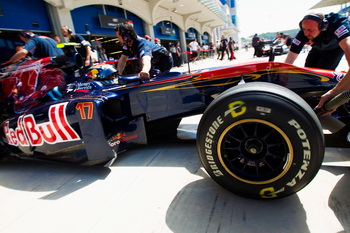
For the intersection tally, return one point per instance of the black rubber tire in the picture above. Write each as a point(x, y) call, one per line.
point(260, 140)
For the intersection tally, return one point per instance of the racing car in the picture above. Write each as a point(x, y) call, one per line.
point(277, 48)
point(258, 136)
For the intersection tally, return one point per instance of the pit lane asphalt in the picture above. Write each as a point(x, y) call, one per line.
point(163, 188)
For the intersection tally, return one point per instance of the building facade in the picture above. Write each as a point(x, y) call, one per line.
point(168, 20)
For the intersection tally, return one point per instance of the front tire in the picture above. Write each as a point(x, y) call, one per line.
point(260, 140)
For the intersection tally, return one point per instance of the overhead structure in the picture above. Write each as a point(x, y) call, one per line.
point(192, 13)
point(325, 3)
point(214, 7)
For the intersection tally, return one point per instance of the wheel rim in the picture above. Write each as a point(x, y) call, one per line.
point(255, 151)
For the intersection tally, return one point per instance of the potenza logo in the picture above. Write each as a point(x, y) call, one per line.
point(296, 41)
point(342, 30)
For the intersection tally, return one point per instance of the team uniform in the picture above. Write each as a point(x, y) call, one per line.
point(326, 52)
point(79, 39)
point(161, 58)
point(42, 46)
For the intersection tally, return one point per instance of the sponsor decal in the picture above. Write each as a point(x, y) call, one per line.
point(209, 140)
point(338, 76)
point(30, 133)
point(296, 41)
point(236, 109)
point(121, 137)
point(79, 87)
point(306, 152)
point(84, 86)
point(128, 138)
point(342, 30)
point(92, 73)
point(270, 192)
point(118, 136)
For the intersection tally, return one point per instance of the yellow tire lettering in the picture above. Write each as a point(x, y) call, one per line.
point(237, 108)
point(268, 193)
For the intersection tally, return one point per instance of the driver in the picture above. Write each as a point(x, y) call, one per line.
point(106, 74)
point(36, 46)
point(329, 37)
point(152, 56)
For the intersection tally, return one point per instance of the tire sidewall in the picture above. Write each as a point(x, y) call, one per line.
point(284, 112)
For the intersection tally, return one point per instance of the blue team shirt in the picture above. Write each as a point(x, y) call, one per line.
point(42, 46)
point(79, 39)
point(338, 28)
point(141, 47)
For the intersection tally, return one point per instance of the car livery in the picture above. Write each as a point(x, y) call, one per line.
point(248, 140)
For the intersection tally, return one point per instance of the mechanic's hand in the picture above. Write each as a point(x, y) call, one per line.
point(144, 76)
point(87, 62)
point(324, 99)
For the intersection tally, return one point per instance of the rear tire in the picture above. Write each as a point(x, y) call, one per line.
point(260, 140)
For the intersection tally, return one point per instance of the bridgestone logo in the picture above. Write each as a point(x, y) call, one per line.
point(209, 144)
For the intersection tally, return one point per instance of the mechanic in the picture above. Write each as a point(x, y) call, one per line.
point(84, 51)
point(147, 37)
point(287, 40)
point(257, 45)
point(329, 37)
point(151, 55)
point(36, 46)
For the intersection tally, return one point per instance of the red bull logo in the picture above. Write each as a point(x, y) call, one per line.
point(118, 136)
point(30, 133)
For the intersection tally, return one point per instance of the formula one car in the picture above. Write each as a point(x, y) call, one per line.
point(258, 136)
point(280, 49)
point(277, 48)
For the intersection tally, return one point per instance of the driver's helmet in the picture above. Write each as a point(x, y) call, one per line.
point(101, 72)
